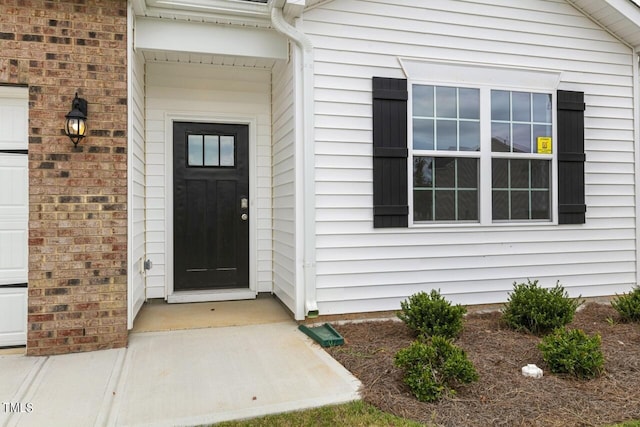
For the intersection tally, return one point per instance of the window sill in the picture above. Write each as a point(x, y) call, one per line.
point(453, 226)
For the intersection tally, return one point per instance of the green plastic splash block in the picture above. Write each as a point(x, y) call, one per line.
point(324, 335)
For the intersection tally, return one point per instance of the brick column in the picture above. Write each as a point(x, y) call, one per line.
point(77, 196)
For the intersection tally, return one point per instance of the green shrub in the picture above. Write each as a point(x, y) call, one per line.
point(538, 310)
point(431, 314)
point(628, 305)
point(573, 352)
point(431, 368)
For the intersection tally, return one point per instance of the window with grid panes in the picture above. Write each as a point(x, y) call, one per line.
point(448, 144)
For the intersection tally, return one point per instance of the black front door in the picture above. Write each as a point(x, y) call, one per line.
point(210, 206)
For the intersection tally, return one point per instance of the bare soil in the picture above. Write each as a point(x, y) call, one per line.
point(502, 396)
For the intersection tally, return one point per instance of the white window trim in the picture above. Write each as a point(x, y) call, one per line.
point(484, 77)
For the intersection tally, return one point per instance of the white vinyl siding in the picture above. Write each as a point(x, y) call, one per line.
point(284, 242)
point(137, 209)
point(362, 269)
point(205, 93)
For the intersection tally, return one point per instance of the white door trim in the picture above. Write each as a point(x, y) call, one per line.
point(213, 295)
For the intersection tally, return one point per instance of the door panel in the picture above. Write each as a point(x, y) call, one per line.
point(211, 225)
point(14, 252)
point(13, 324)
point(14, 215)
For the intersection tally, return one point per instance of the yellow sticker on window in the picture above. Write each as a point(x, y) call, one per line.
point(544, 145)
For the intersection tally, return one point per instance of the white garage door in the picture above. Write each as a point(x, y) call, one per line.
point(14, 215)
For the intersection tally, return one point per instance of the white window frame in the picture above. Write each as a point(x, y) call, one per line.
point(485, 78)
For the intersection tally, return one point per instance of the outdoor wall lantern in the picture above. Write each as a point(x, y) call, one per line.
point(75, 125)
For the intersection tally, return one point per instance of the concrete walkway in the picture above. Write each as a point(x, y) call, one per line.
point(181, 377)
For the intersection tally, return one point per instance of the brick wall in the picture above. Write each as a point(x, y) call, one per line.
point(77, 196)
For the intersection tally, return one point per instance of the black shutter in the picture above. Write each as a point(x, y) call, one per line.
point(571, 202)
point(390, 206)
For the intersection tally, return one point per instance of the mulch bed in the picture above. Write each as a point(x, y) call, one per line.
point(502, 396)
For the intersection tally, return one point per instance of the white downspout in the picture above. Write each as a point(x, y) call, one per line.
point(636, 140)
point(307, 145)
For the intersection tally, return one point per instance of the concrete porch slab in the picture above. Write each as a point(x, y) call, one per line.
point(160, 316)
point(216, 374)
point(69, 390)
point(184, 377)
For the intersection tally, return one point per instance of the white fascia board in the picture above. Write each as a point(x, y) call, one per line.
point(213, 6)
point(183, 36)
point(293, 8)
point(627, 8)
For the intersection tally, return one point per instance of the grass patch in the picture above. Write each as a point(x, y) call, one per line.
point(354, 414)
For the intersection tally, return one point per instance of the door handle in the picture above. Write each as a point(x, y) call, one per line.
point(244, 205)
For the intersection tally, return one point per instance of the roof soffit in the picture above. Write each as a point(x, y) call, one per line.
point(239, 12)
point(620, 17)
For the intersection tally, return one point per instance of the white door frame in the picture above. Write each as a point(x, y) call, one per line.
point(210, 295)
